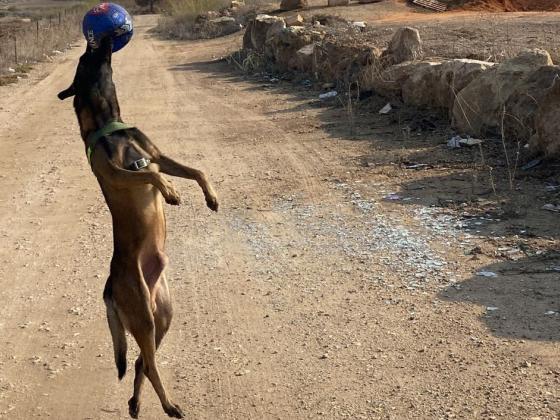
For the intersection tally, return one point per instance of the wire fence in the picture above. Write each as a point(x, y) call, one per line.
point(25, 42)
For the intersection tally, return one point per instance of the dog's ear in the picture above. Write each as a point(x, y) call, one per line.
point(67, 93)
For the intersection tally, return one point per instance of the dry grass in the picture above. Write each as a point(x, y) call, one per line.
point(23, 43)
point(180, 17)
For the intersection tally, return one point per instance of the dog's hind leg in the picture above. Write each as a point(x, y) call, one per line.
point(117, 330)
point(142, 325)
point(162, 320)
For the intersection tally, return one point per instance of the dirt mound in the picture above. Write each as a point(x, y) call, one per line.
point(507, 5)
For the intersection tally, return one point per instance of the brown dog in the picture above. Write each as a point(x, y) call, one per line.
point(127, 165)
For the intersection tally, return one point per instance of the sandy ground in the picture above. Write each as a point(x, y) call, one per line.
point(309, 295)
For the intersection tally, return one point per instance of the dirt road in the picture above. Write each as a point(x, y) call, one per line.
point(307, 296)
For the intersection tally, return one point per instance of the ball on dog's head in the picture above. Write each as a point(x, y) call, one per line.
point(108, 19)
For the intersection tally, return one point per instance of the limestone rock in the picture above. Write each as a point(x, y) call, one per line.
point(405, 45)
point(479, 107)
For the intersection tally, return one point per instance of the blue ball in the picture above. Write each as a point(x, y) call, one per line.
point(108, 19)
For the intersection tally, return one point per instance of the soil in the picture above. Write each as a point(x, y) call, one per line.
point(512, 5)
point(339, 279)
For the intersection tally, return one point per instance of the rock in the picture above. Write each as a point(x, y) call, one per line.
point(224, 25)
point(547, 124)
point(236, 4)
point(525, 102)
point(260, 29)
point(294, 20)
point(293, 4)
point(435, 85)
point(349, 63)
point(405, 45)
point(388, 81)
point(283, 46)
point(479, 107)
point(305, 56)
point(333, 3)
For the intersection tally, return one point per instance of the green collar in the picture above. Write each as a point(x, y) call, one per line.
point(108, 129)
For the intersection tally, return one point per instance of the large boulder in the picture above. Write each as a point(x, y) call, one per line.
point(527, 100)
point(293, 4)
point(260, 29)
point(224, 25)
point(348, 63)
point(405, 45)
point(282, 47)
point(479, 108)
point(546, 137)
point(435, 85)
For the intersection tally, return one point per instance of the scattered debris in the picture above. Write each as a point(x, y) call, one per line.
point(486, 274)
point(416, 165)
point(532, 164)
point(551, 313)
point(491, 308)
point(458, 141)
point(392, 197)
point(551, 207)
point(386, 109)
point(551, 187)
point(328, 95)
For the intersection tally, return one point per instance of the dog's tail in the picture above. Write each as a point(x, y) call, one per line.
point(117, 333)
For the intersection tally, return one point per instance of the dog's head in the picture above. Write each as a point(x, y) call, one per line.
point(94, 77)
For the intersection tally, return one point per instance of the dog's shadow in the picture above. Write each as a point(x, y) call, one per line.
point(521, 302)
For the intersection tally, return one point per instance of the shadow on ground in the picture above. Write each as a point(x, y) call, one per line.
point(522, 302)
point(470, 183)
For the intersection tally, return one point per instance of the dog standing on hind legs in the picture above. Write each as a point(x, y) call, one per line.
point(129, 168)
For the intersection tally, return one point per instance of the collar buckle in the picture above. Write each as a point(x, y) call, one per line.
point(140, 164)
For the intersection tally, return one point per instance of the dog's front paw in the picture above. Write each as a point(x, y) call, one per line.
point(173, 410)
point(170, 194)
point(212, 202)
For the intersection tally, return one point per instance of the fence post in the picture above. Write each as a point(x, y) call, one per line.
point(15, 50)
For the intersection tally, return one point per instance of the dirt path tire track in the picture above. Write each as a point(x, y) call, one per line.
point(288, 303)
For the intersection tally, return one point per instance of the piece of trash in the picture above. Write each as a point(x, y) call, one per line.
point(453, 143)
point(11, 70)
point(392, 197)
point(551, 207)
point(469, 141)
point(486, 274)
point(328, 95)
point(416, 166)
point(386, 109)
point(551, 188)
point(551, 313)
point(458, 141)
point(359, 24)
point(531, 164)
point(491, 308)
